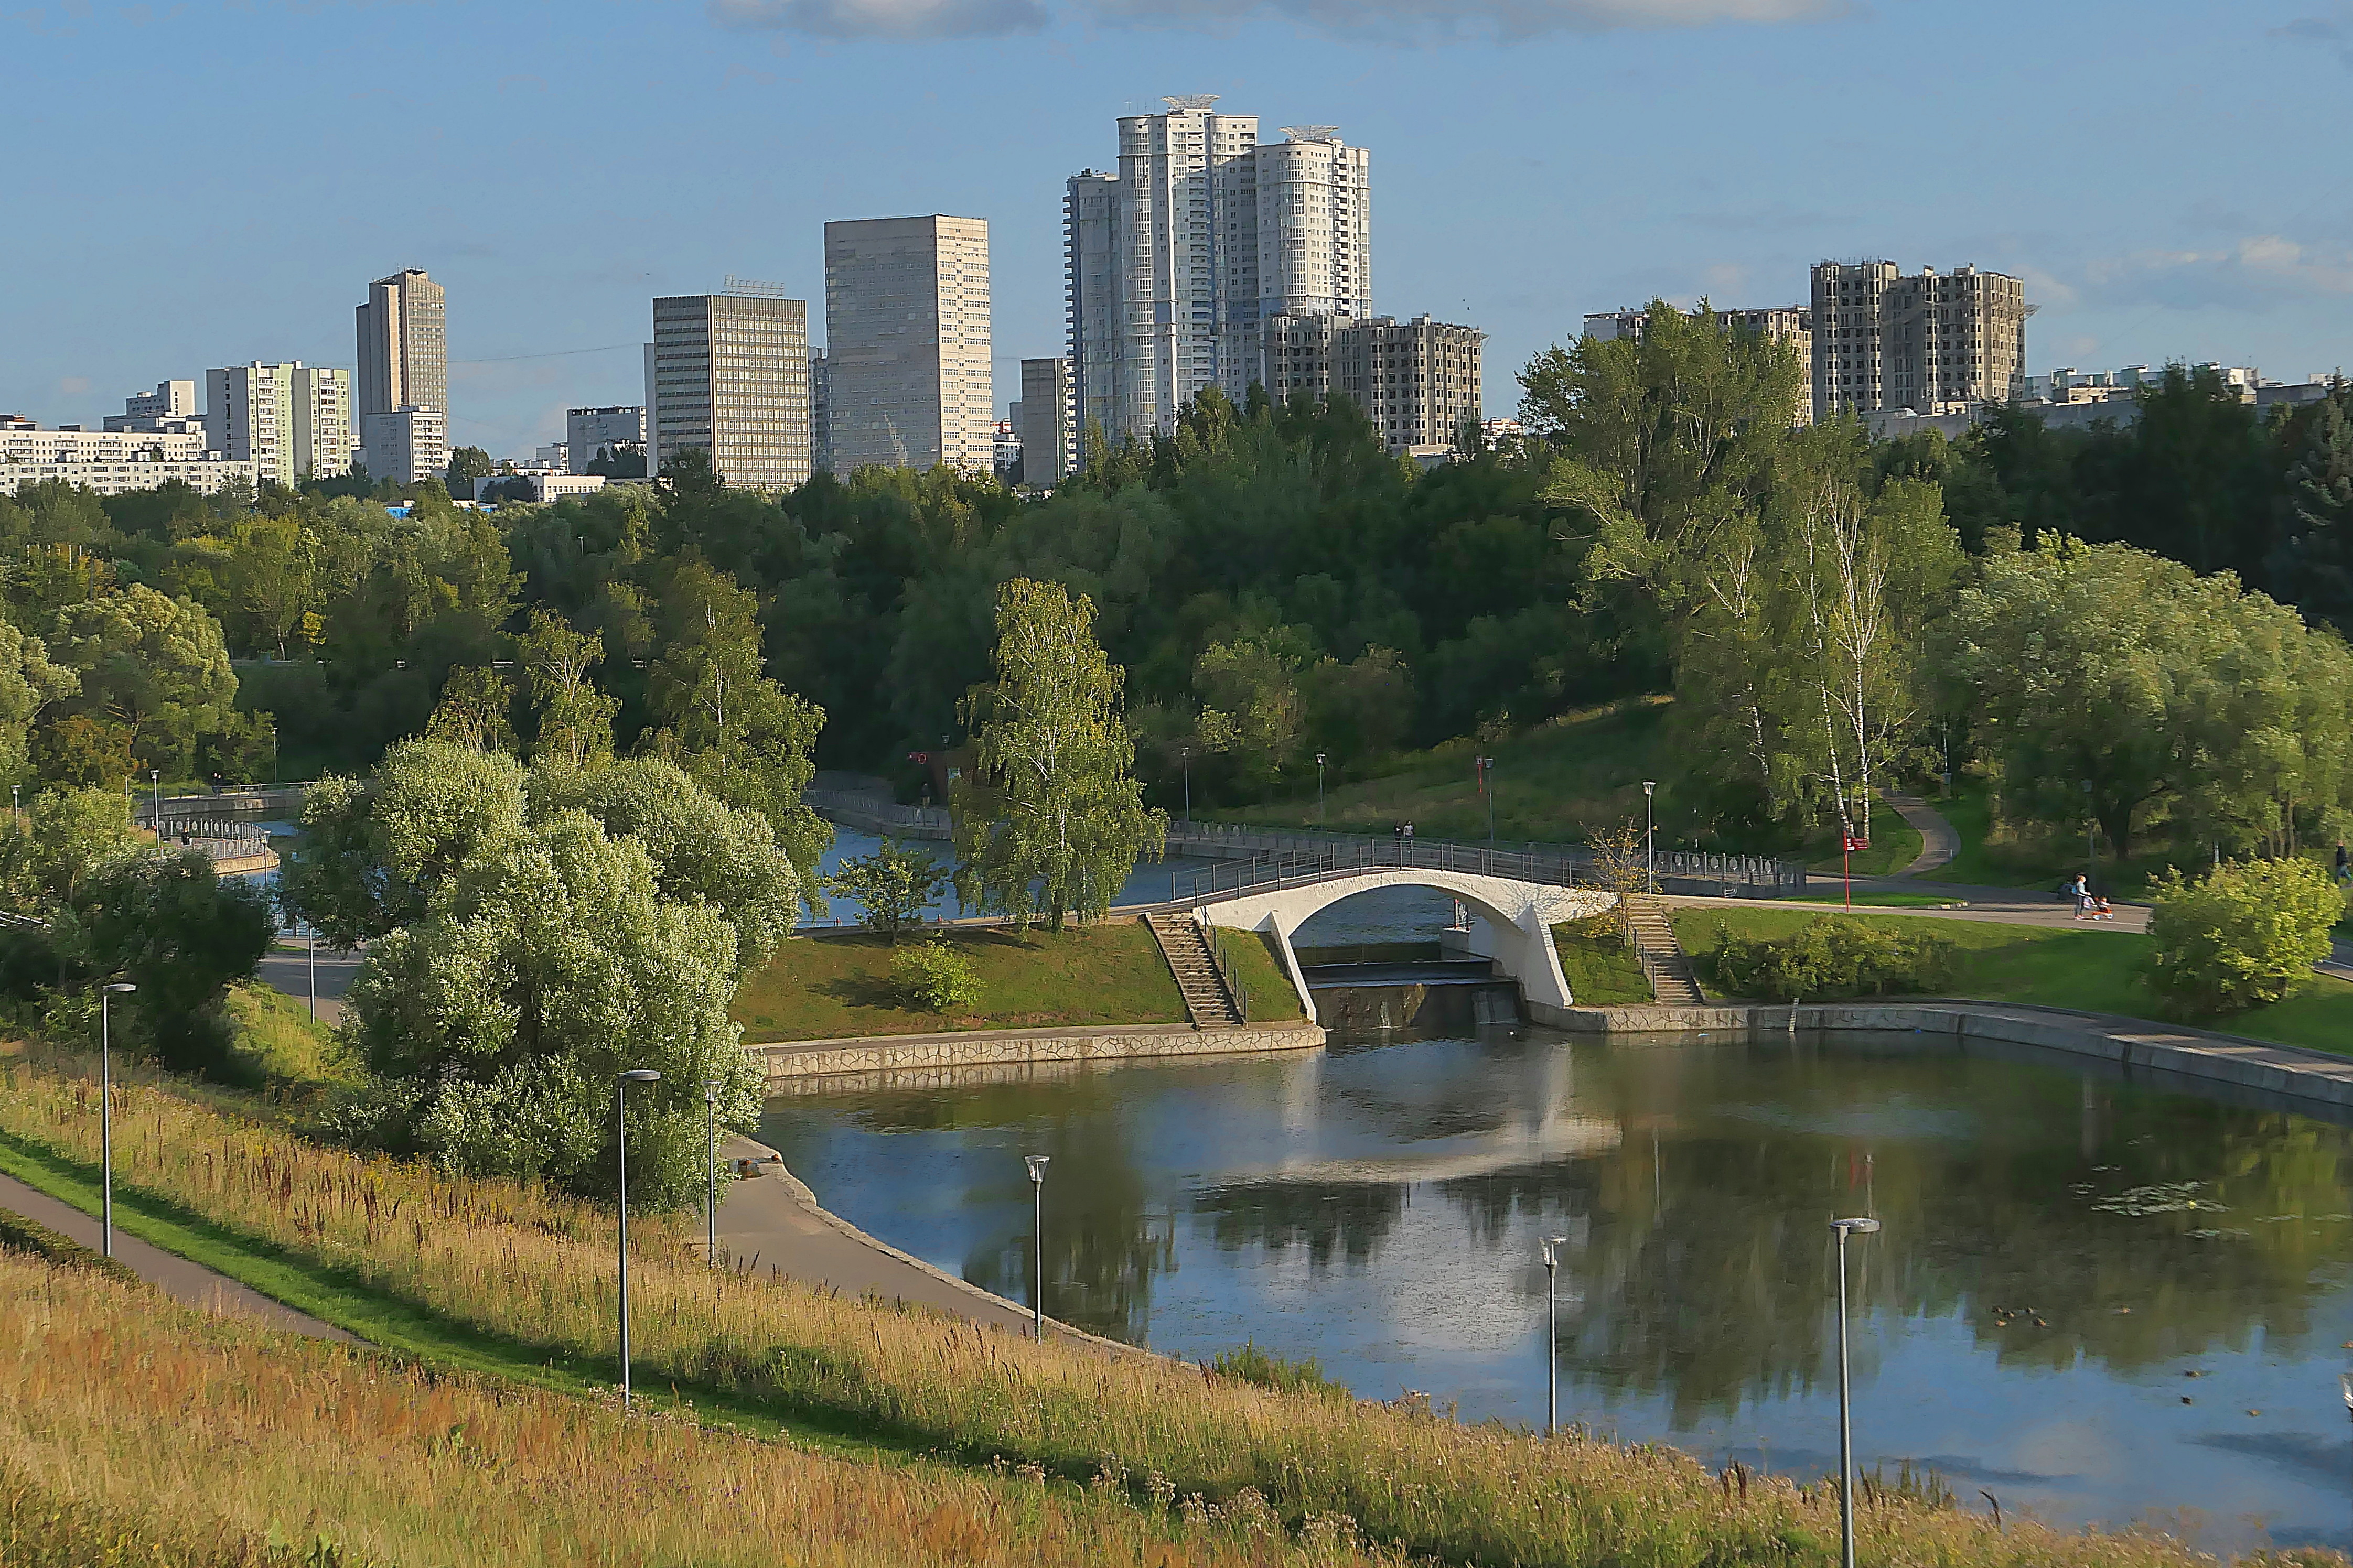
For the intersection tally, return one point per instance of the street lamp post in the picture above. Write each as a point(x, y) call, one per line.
point(1650, 838)
point(1487, 767)
point(1036, 1163)
point(155, 812)
point(711, 1204)
point(621, 1130)
point(16, 806)
point(1184, 760)
point(1552, 1246)
point(106, 1115)
point(1320, 817)
point(1845, 1228)
point(311, 960)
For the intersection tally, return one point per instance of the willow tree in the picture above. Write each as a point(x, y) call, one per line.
point(1051, 819)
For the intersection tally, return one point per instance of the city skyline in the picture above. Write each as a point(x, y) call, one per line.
point(1675, 166)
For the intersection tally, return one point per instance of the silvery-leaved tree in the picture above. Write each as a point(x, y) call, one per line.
point(1051, 819)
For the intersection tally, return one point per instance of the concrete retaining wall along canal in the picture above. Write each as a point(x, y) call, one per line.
point(791, 1063)
point(2129, 1043)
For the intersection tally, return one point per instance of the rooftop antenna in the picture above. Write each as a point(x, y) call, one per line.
point(1310, 133)
point(1190, 102)
point(754, 288)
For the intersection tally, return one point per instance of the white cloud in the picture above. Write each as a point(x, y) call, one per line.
point(1396, 18)
point(2256, 270)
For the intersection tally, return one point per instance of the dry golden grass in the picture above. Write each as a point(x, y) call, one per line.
point(537, 1269)
point(188, 1439)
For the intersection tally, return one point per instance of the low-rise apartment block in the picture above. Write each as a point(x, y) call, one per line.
point(113, 462)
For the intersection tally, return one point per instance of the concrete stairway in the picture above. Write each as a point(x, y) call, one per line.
point(1187, 948)
point(1663, 958)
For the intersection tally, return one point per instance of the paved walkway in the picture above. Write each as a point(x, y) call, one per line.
point(190, 1283)
point(1939, 839)
point(287, 966)
point(772, 1221)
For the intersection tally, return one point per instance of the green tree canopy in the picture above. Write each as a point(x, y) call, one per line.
point(1051, 820)
point(153, 663)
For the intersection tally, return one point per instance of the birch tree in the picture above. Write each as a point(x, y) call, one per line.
point(1052, 819)
point(575, 719)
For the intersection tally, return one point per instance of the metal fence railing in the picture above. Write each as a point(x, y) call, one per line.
point(1228, 971)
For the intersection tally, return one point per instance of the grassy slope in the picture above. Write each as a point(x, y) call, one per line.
point(1272, 998)
point(1559, 784)
point(837, 987)
point(2092, 970)
point(1600, 972)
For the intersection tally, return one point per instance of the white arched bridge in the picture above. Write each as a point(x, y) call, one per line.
point(1513, 928)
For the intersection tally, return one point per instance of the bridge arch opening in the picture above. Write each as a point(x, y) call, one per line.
point(1509, 925)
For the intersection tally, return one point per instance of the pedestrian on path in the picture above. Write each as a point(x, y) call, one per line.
point(2082, 889)
point(2344, 867)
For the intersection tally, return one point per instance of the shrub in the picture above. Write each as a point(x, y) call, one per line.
point(1252, 1364)
point(1829, 957)
point(893, 885)
point(936, 977)
point(2240, 936)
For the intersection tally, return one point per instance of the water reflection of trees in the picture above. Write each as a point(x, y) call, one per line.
point(1326, 1219)
point(1705, 1265)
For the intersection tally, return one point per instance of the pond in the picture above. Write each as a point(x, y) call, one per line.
point(1151, 882)
point(2097, 1299)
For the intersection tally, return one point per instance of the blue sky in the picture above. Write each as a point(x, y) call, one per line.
point(197, 183)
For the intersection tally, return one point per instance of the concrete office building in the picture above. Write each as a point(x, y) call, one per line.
point(1046, 420)
point(588, 431)
point(1417, 381)
point(407, 446)
point(908, 381)
point(1791, 324)
point(1933, 343)
point(1174, 263)
point(403, 364)
point(729, 373)
point(170, 400)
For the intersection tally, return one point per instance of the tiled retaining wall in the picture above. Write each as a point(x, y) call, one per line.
point(910, 1060)
point(2290, 1071)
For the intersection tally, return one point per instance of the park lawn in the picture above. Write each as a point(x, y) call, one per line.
point(2005, 857)
point(2089, 970)
point(838, 986)
point(1274, 999)
point(1894, 844)
point(1600, 972)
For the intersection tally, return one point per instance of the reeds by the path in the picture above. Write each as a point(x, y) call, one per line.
point(538, 1269)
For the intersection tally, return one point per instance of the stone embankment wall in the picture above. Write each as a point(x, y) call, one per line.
point(916, 1061)
point(2130, 1043)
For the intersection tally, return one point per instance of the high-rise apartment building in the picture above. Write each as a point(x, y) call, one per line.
point(1417, 381)
point(1790, 325)
point(820, 414)
point(1933, 343)
point(403, 346)
point(588, 431)
point(289, 421)
point(324, 436)
point(729, 373)
point(1174, 264)
point(907, 343)
point(1047, 422)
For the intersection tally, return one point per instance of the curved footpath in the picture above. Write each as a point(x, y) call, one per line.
point(190, 1283)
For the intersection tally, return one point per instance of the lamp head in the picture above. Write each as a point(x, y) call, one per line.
point(641, 1075)
point(1552, 1244)
point(1855, 1226)
point(118, 986)
point(1036, 1163)
point(1650, 784)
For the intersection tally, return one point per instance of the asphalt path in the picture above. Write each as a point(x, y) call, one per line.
point(191, 1283)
